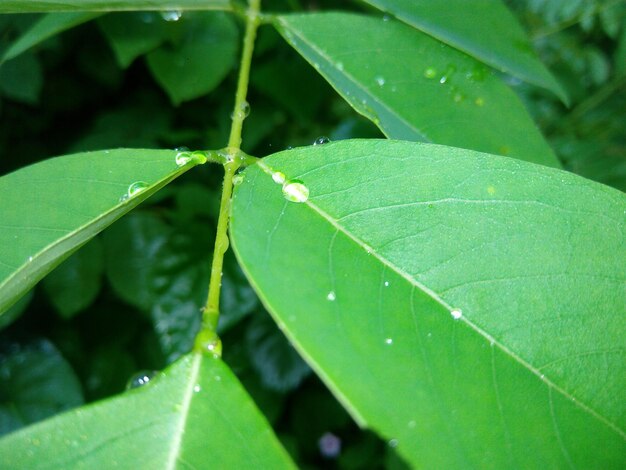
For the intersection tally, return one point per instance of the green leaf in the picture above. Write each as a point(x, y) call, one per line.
point(37, 382)
point(45, 6)
point(486, 30)
point(52, 208)
point(46, 27)
point(133, 34)
point(75, 284)
point(415, 87)
point(193, 415)
point(200, 60)
point(21, 79)
point(467, 307)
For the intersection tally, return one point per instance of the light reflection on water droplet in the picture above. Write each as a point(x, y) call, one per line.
point(331, 296)
point(196, 388)
point(295, 191)
point(237, 179)
point(321, 140)
point(456, 313)
point(386, 283)
point(278, 177)
point(171, 15)
point(389, 341)
point(380, 80)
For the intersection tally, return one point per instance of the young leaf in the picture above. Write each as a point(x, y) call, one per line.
point(485, 30)
point(414, 87)
point(194, 415)
point(52, 208)
point(45, 6)
point(47, 26)
point(467, 307)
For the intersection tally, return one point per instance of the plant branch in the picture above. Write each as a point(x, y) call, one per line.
point(207, 339)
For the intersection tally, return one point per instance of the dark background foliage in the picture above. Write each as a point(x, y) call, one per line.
point(127, 304)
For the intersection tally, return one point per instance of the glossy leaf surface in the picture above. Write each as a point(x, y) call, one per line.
point(194, 415)
point(468, 307)
point(484, 29)
point(53, 207)
point(414, 87)
point(44, 6)
point(47, 26)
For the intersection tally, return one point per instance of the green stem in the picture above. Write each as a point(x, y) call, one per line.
point(207, 339)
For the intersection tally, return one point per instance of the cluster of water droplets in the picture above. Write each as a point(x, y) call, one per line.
point(184, 156)
point(293, 190)
point(477, 74)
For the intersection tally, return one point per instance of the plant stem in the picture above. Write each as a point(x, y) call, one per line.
point(207, 339)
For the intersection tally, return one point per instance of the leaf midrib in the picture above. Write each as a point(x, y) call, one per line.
point(492, 341)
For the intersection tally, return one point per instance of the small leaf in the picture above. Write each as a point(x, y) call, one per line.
point(75, 284)
point(47, 26)
point(453, 301)
point(200, 61)
point(52, 208)
point(486, 30)
point(193, 415)
point(37, 382)
point(44, 6)
point(414, 87)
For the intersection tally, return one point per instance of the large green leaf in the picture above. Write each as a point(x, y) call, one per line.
point(37, 6)
point(466, 306)
point(53, 207)
point(415, 87)
point(194, 415)
point(484, 29)
point(47, 26)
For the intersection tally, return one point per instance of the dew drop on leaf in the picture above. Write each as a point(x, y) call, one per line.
point(196, 388)
point(140, 378)
point(456, 313)
point(430, 72)
point(380, 80)
point(136, 187)
point(237, 179)
point(171, 15)
point(278, 177)
point(389, 341)
point(393, 443)
point(321, 140)
point(331, 296)
point(295, 191)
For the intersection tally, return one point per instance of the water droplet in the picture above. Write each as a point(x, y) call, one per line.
point(182, 158)
point(171, 15)
point(430, 72)
point(443, 79)
point(196, 388)
point(295, 191)
point(237, 179)
point(242, 112)
point(412, 424)
point(329, 445)
point(339, 66)
point(386, 18)
point(140, 378)
point(207, 342)
point(479, 101)
point(386, 283)
point(331, 296)
point(278, 177)
point(380, 80)
point(30, 259)
point(136, 188)
point(321, 140)
point(389, 341)
point(393, 443)
point(456, 313)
